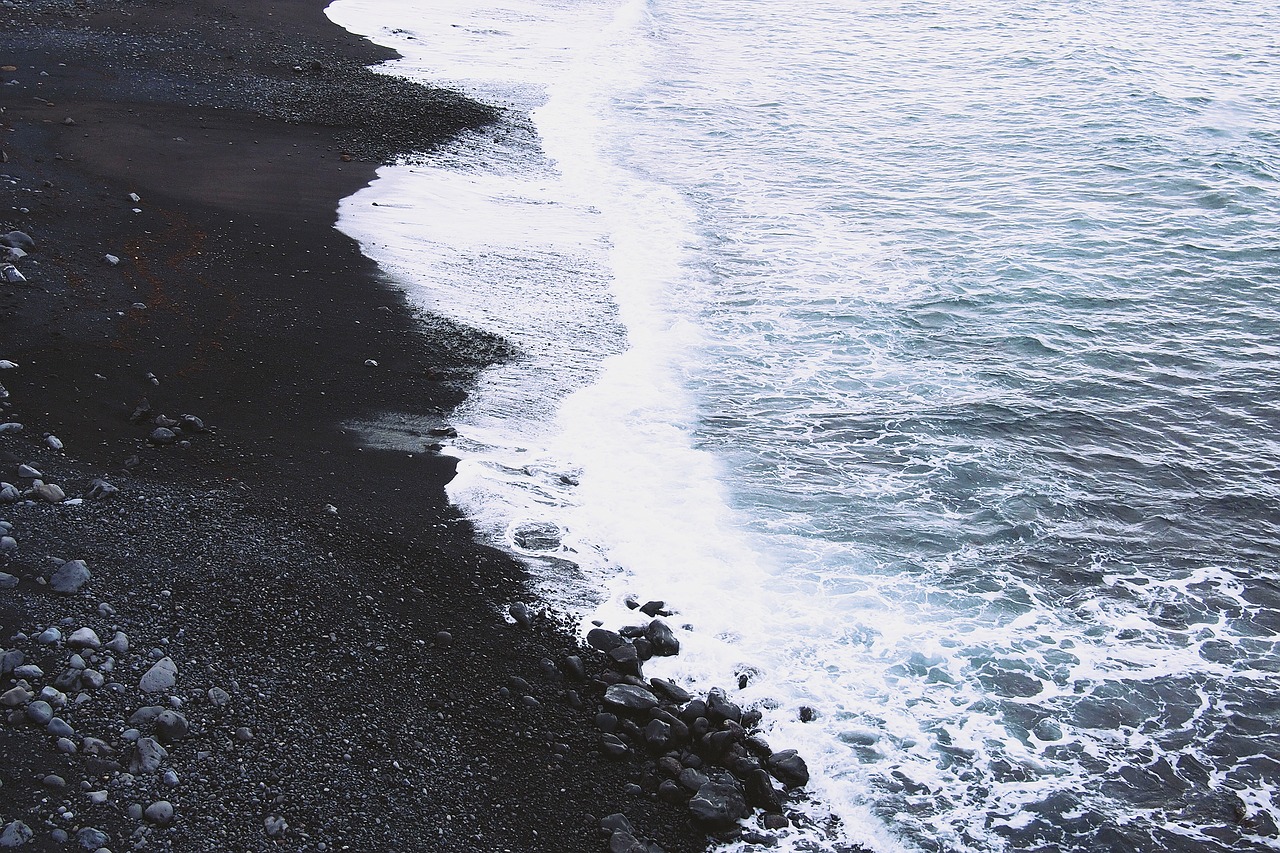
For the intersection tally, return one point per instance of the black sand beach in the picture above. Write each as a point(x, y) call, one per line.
point(299, 584)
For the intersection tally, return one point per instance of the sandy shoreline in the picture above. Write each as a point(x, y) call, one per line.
point(284, 640)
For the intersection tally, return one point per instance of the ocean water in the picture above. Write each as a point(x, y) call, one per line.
point(922, 355)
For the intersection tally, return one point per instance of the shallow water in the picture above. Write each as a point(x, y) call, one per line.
point(922, 355)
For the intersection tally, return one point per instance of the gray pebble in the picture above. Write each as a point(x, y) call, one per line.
point(244, 734)
point(148, 757)
point(39, 712)
point(84, 638)
point(92, 679)
point(29, 670)
point(53, 696)
point(16, 834)
point(94, 746)
point(9, 494)
point(171, 726)
point(170, 778)
point(14, 697)
point(218, 697)
point(60, 727)
point(53, 781)
point(49, 636)
point(28, 473)
point(134, 811)
point(70, 577)
point(97, 797)
point(275, 826)
point(7, 581)
point(161, 677)
point(91, 839)
point(66, 745)
point(119, 643)
point(160, 812)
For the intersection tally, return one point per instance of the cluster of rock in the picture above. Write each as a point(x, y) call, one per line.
point(704, 753)
point(56, 679)
point(166, 430)
point(14, 246)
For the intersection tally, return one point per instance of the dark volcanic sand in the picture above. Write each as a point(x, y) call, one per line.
point(367, 732)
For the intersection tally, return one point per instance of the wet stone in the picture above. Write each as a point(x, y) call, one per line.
point(630, 697)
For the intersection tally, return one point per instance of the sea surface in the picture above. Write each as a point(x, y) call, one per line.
point(922, 355)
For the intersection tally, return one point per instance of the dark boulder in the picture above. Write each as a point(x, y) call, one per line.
point(788, 768)
point(663, 639)
point(630, 697)
point(604, 640)
point(718, 805)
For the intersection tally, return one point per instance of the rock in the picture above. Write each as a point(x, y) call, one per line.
point(53, 442)
point(520, 612)
point(84, 638)
point(100, 490)
point(788, 768)
point(444, 639)
point(613, 746)
point(70, 577)
point(630, 697)
point(244, 734)
point(18, 240)
point(39, 712)
point(663, 639)
point(53, 696)
point(11, 274)
point(11, 659)
point(60, 728)
point(92, 679)
point(94, 746)
point(218, 697)
point(15, 696)
point(574, 669)
point(98, 798)
point(761, 793)
point(29, 670)
point(171, 726)
point(160, 678)
point(49, 636)
point(9, 493)
point(10, 428)
point(625, 842)
point(145, 715)
point(148, 755)
point(26, 472)
point(54, 781)
point(670, 691)
point(657, 734)
point(616, 822)
point(16, 834)
point(91, 839)
point(718, 805)
point(604, 640)
point(49, 493)
point(655, 608)
point(65, 745)
point(7, 581)
point(170, 778)
point(6, 364)
point(160, 813)
point(625, 659)
point(720, 708)
point(275, 826)
point(162, 435)
point(110, 259)
point(118, 644)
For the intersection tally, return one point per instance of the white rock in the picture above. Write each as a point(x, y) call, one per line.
point(10, 274)
point(368, 362)
point(11, 426)
point(84, 638)
point(111, 259)
point(161, 677)
point(135, 198)
point(5, 364)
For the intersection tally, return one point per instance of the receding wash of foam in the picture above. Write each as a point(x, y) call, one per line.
point(923, 357)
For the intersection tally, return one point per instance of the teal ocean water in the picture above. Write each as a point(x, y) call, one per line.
point(923, 356)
